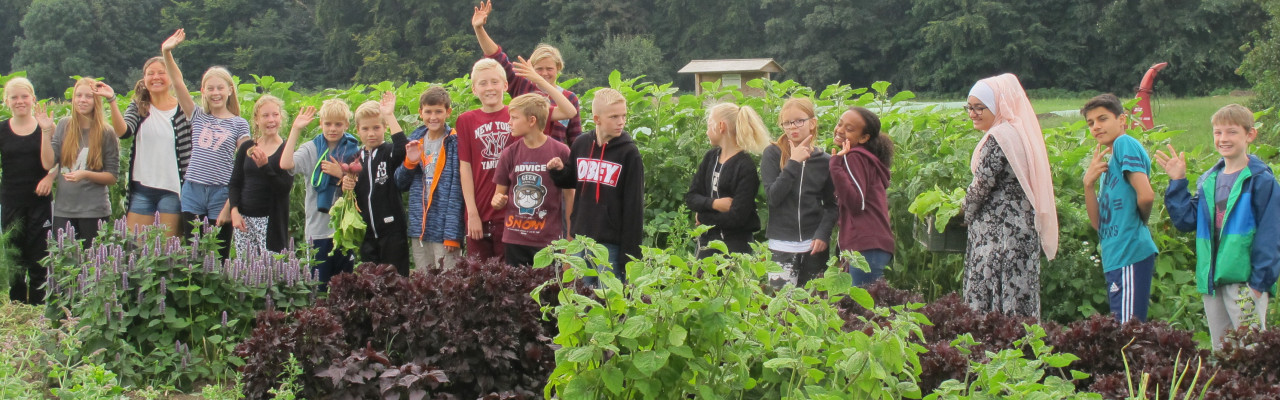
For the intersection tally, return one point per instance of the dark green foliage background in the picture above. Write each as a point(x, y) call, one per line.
point(922, 45)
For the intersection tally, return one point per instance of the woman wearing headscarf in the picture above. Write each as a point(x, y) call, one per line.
point(1009, 207)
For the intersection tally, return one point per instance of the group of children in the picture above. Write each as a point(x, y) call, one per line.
point(1234, 211)
point(508, 179)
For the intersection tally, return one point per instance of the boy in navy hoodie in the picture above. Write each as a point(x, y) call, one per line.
point(430, 174)
point(377, 195)
point(606, 169)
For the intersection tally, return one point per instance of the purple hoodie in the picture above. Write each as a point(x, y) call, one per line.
point(861, 183)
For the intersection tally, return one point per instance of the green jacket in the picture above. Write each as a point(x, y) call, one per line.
point(1248, 245)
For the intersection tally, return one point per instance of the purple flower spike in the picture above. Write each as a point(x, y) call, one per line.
point(224, 319)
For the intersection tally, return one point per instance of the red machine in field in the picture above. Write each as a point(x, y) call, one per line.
point(1143, 112)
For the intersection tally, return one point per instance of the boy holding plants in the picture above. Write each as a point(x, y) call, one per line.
point(482, 136)
point(1235, 213)
point(536, 210)
point(1120, 208)
point(377, 195)
point(319, 162)
point(430, 174)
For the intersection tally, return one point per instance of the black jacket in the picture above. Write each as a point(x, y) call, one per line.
point(802, 200)
point(262, 192)
point(609, 202)
point(740, 180)
point(376, 191)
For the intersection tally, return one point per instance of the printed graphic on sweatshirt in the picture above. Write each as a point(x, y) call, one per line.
point(493, 136)
point(599, 171)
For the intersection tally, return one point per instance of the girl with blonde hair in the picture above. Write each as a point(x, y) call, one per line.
point(24, 194)
point(723, 191)
point(217, 130)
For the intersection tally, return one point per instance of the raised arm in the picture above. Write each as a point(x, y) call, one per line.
point(478, 19)
point(564, 108)
point(47, 128)
point(175, 74)
point(119, 123)
point(1181, 205)
point(304, 118)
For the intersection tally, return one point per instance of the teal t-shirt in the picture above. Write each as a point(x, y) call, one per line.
point(1125, 239)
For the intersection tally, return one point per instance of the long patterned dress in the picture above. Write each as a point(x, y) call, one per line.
point(1002, 261)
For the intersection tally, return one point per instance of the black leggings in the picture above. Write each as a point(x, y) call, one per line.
point(28, 227)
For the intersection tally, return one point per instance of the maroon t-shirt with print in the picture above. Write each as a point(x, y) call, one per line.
point(535, 209)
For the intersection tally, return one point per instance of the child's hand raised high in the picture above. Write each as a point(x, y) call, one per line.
point(387, 105)
point(304, 118)
point(481, 15)
point(524, 69)
point(1174, 163)
point(173, 41)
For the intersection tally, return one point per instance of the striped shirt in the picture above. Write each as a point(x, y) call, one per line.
point(214, 146)
point(181, 139)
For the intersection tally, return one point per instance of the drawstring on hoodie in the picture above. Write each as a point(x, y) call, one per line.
point(591, 153)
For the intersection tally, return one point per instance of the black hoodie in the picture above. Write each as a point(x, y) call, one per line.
point(376, 191)
point(609, 203)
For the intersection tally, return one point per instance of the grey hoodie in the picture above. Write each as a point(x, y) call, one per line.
point(802, 202)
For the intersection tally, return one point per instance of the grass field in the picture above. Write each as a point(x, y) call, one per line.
point(1187, 114)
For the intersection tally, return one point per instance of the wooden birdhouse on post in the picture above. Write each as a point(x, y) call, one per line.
point(732, 72)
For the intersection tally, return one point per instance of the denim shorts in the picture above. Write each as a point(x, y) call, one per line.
point(147, 201)
point(203, 200)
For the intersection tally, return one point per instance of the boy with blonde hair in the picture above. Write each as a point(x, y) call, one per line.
point(482, 136)
point(377, 195)
point(318, 161)
point(547, 63)
point(605, 168)
point(1235, 213)
point(535, 206)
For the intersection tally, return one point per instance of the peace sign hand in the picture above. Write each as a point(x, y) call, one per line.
point(1097, 165)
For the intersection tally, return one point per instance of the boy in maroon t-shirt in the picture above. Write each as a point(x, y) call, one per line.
point(536, 206)
point(482, 136)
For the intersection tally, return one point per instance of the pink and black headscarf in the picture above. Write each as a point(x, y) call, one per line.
point(1017, 131)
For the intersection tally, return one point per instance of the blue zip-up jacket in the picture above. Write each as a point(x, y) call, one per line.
point(1247, 248)
point(435, 213)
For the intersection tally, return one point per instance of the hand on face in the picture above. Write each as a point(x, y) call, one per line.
point(801, 152)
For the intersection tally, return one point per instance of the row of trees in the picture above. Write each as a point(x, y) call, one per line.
point(923, 45)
